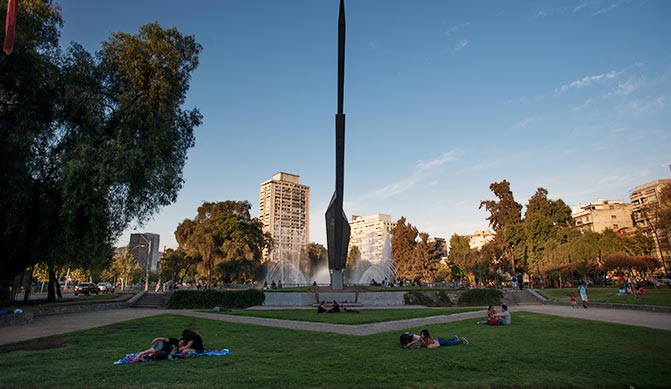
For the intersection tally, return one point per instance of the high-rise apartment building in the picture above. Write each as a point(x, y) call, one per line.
point(371, 234)
point(284, 210)
point(645, 203)
point(144, 248)
point(602, 214)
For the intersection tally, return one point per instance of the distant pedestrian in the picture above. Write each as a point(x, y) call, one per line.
point(582, 290)
point(574, 304)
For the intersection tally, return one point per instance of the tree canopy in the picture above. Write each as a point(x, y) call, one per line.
point(229, 241)
point(90, 142)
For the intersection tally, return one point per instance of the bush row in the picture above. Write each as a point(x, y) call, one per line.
point(427, 298)
point(478, 297)
point(207, 299)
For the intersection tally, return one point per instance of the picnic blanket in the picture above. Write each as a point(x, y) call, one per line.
point(130, 358)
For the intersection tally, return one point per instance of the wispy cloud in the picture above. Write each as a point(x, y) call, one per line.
point(455, 29)
point(524, 123)
point(582, 106)
point(423, 171)
point(437, 162)
point(544, 13)
point(645, 106)
point(462, 44)
point(605, 10)
point(579, 7)
point(586, 81)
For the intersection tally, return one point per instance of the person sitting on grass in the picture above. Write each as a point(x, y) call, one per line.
point(190, 342)
point(491, 316)
point(160, 348)
point(336, 307)
point(503, 318)
point(429, 342)
point(322, 307)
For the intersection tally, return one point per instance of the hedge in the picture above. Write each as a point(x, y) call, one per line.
point(427, 298)
point(207, 299)
point(478, 297)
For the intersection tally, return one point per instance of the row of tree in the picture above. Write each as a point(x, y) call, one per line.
point(542, 243)
point(88, 142)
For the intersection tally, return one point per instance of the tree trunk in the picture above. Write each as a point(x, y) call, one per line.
point(53, 286)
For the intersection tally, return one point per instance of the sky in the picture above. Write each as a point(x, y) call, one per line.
point(442, 98)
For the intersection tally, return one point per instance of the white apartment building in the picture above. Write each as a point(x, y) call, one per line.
point(602, 214)
point(284, 210)
point(480, 238)
point(371, 234)
point(644, 203)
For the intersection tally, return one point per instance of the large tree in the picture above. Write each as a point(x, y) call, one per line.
point(90, 142)
point(229, 241)
point(502, 213)
point(505, 216)
point(403, 241)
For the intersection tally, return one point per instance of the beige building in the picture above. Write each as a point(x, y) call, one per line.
point(372, 235)
point(284, 210)
point(603, 214)
point(644, 202)
point(480, 238)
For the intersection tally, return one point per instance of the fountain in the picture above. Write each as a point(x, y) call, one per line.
point(373, 265)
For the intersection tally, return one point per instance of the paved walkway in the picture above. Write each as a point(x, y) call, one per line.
point(60, 324)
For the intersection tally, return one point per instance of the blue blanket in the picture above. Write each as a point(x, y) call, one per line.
point(130, 358)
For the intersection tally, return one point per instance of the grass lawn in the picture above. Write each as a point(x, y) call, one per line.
point(364, 316)
point(536, 351)
point(655, 296)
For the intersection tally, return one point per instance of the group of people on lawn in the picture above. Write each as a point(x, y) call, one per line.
point(494, 318)
point(424, 339)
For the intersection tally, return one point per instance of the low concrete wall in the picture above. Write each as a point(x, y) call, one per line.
point(301, 299)
point(381, 298)
point(70, 308)
point(289, 299)
point(350, 297)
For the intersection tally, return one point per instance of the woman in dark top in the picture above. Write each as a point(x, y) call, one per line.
point(191, 341)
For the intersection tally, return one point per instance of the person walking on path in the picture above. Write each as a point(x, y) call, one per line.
point(582, 290)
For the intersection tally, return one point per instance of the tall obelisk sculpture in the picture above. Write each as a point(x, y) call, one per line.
point(337, 227)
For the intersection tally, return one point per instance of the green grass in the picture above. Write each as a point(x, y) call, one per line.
point(536, 351)
point(655, 296)
point(364, 316)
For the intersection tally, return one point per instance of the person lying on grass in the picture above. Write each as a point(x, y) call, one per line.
point(160, 348)
point(429, 342)
point(190, 342)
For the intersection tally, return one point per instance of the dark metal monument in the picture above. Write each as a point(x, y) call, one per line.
point(337, 227)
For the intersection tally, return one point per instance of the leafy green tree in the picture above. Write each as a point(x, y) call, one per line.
point(176, 265)
point(403, 242)
point(428, 254)
point(505, 215)
point(126, 269)
point(353, 257)
point(229, 241)
point(502, 213)
point(94, 141)
point(317, 258)
point(544, 221)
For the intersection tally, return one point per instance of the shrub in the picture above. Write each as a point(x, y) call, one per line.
point(429, 299)
point(206, 299)
point(477, 297)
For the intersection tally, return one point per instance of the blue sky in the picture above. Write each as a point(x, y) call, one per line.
point(442, 98)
